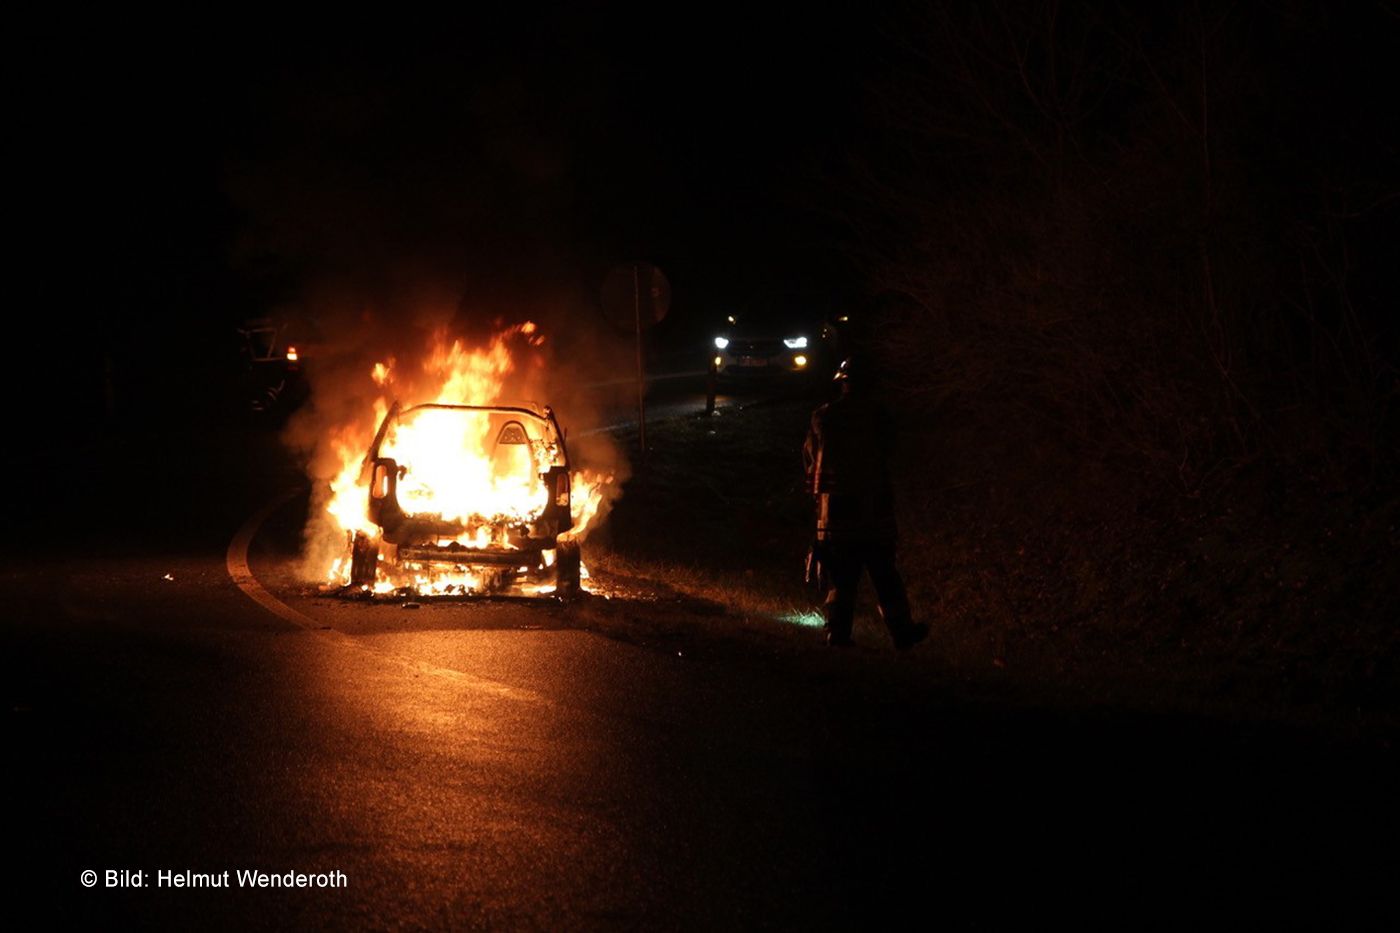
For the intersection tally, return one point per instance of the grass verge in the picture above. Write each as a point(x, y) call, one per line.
point(1212, 615)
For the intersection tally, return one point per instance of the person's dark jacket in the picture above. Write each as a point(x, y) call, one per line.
point(848, 452)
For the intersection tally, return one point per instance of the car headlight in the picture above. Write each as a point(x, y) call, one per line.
point(721, 342)
point(795, 343)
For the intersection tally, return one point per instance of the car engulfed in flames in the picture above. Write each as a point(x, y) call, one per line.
point(466, 500)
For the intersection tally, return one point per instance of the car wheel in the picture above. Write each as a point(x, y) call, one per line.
point(364, 560)
point(568, 563)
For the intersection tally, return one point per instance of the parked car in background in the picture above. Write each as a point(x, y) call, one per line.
point(748, 346)
point(275, 351)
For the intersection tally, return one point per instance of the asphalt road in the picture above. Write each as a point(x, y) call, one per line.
point(683, 394)
point(536, 765)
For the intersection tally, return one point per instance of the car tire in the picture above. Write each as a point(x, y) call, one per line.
point(364, 560)
point(568, 569)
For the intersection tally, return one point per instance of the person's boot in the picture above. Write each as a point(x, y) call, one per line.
point(907, 636)
point(836, 639)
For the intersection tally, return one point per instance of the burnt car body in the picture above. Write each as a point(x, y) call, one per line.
point(524, 446)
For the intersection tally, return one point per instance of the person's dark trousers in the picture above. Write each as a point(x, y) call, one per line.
point(845, 560)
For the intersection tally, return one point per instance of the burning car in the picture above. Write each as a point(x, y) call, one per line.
point(466, 499)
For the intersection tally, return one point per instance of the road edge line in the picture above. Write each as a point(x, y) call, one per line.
point(239, 571)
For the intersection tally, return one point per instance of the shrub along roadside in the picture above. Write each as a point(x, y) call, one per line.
point(1278, 603)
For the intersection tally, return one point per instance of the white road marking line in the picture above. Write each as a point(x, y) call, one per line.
point(236, 559)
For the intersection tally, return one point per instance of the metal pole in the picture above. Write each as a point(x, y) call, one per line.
point(641, 373)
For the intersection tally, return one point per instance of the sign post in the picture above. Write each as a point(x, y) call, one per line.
point(636, 295)
point(641, 370)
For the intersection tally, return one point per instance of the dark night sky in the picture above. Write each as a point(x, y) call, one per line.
point(506, 152)
point(173, 176)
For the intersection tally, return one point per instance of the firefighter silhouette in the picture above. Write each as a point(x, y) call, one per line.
point(847, 455)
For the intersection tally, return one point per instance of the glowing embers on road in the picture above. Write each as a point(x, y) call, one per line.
point(437, 580)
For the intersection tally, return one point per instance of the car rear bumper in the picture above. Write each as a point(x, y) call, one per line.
point(458, 555)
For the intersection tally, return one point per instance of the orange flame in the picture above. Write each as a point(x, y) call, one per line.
point(453, 473)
